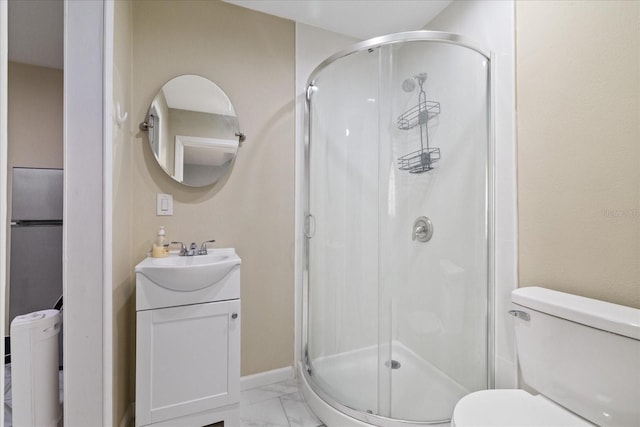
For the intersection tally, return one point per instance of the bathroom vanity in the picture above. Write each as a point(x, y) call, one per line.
point(188, 340)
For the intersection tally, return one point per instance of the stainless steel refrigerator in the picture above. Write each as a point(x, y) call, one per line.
point(35, 269)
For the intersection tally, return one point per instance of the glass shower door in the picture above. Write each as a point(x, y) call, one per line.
point(342, 273)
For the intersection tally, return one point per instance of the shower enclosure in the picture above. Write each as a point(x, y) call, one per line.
point(398, 279)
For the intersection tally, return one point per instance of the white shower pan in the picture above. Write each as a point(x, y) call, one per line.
point(417, 385)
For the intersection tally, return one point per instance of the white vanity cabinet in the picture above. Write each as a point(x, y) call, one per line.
point(188, 355)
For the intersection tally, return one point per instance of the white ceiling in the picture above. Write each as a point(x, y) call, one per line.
point(361, 19)
point(36, 32)
point(36, 26)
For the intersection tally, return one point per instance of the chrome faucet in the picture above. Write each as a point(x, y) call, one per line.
point(193, 250)
point(183, 249)
point(203, 247)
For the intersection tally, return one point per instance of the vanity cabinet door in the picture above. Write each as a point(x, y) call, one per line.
point(188, 360)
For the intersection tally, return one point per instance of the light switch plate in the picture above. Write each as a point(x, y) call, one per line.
point(164, 205)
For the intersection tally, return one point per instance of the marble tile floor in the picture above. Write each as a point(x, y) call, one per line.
point(276, 405)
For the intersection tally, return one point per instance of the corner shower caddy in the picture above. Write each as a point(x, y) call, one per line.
point(422, 160)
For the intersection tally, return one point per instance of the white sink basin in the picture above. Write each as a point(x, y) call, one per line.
point(189, 273)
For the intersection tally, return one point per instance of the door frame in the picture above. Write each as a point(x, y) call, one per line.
point(4, 60)
point(87, 243)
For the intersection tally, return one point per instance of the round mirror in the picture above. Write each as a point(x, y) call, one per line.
point(193, 130)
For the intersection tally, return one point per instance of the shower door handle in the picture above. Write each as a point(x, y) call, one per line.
point(309, 226)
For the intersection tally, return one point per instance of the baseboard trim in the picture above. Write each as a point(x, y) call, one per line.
point(247, 382)
point(127, 418)
point(266, 378)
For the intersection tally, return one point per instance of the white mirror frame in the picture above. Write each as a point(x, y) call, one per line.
point(183, 141)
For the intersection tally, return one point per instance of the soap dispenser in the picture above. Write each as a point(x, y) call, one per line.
point(159, 250)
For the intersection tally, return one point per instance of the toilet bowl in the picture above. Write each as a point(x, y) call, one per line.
point(580, 355)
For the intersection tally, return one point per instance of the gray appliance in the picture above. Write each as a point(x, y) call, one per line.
point(35, 269)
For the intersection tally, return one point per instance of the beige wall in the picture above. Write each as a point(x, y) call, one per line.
point(578, 101)
point(34, 125)
point(35, 116)
point(250, 55)
point(122, 268)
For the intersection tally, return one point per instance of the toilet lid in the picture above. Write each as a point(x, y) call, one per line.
point(512, 408)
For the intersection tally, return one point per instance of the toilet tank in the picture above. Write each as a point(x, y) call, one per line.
point(584, 354)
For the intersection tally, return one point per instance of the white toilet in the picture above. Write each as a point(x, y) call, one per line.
point(581, 355)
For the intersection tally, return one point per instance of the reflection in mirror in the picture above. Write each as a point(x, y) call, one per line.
point(193, 130)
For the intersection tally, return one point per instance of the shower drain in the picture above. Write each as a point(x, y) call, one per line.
point(393, 364)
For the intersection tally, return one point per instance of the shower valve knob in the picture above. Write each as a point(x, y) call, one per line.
point(422, 229)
